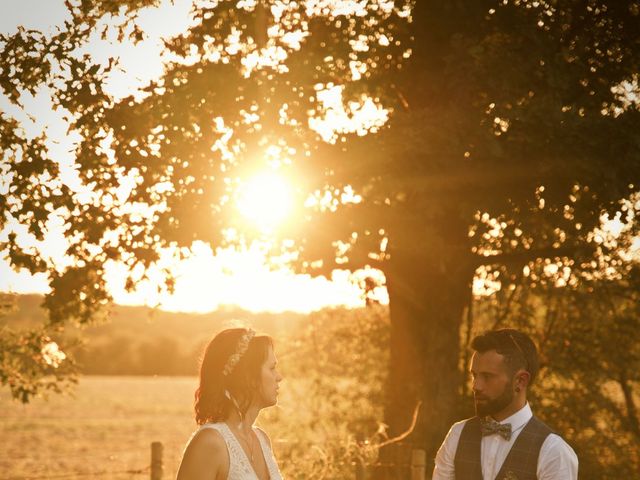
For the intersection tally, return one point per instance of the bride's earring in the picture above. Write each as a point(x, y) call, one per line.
point(235, 404)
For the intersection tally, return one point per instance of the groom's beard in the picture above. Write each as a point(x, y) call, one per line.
point(490, 406)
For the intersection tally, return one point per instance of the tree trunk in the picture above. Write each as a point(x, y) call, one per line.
point(431, 266)
point(428, 280)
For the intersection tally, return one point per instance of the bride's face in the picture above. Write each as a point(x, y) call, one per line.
point(270, 380)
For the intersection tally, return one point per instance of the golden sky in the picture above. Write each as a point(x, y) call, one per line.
point(208, 279)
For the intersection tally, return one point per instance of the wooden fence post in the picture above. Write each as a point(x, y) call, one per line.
point(418, 464)
point(156, 461)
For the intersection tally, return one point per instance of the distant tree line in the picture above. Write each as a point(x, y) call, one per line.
point(124, 355)
point(136, 341)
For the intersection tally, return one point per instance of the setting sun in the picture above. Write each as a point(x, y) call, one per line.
point(265, 200)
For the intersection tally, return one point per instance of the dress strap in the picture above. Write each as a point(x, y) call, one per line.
point(272, 466)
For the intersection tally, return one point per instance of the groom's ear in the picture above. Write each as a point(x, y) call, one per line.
point(522, 379)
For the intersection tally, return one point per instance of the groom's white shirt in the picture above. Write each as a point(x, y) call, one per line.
point(557, 460)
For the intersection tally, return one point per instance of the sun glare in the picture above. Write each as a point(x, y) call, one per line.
point(265, 201)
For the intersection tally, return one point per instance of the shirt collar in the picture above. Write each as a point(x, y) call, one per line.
point(519, 418)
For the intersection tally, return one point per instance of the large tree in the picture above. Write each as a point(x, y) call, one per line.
point(510, 121)
point(516, 130)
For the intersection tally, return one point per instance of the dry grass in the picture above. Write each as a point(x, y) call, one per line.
point(105, 430)
point(107, 426)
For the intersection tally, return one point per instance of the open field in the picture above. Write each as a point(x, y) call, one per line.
point(105, 429)
point(332, 392)
point(107, 426)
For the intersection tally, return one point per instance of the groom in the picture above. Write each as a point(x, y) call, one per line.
point(504, 441)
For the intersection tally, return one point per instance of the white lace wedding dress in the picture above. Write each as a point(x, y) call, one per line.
point(239, 466)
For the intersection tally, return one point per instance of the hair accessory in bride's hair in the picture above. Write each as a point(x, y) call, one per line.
point(241, 349)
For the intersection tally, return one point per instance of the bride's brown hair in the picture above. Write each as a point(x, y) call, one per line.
point(243, 382)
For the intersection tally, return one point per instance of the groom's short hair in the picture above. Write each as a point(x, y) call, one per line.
point(517, 348)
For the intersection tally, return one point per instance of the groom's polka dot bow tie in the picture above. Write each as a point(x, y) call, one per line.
point(491, 427)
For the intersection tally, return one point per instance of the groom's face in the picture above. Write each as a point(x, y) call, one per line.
point(492, 383)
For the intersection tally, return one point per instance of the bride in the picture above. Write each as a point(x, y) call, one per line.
point(238, 378)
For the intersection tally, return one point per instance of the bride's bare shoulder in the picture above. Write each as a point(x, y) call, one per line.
point(208, 438)
point(205, 457)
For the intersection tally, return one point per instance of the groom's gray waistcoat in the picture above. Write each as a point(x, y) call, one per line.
point(521, 462)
